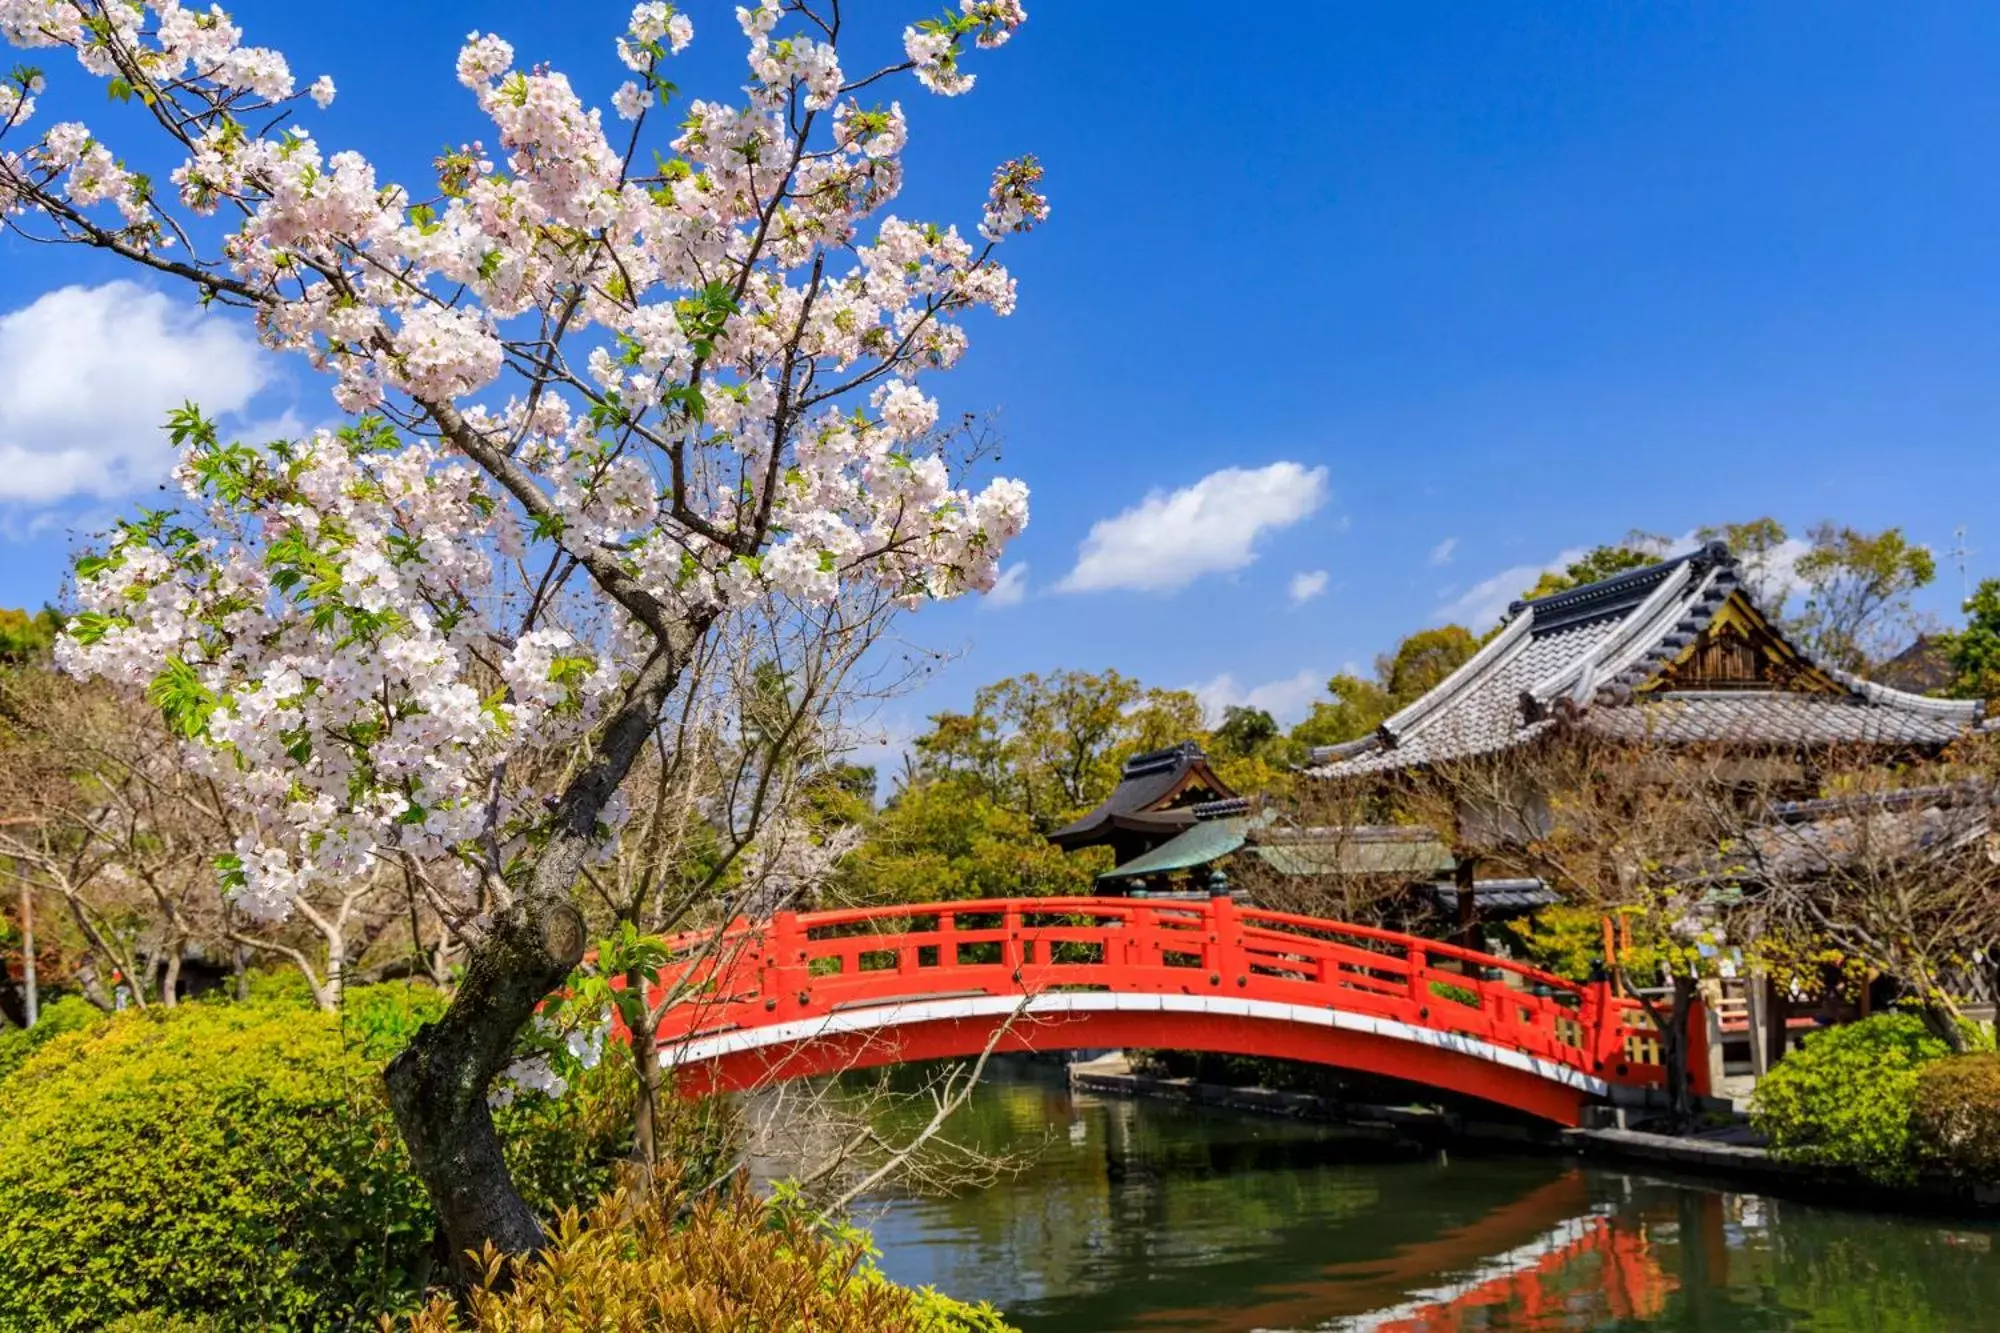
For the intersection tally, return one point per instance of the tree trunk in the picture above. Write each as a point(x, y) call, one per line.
point(1463, 876)
point(1673, 1028)
point(170, 979)
point(336, 972)
point(438, 1085)
point(31, 993)
point(646, 1063)
point(1674, 1047)
point(1942, 1020)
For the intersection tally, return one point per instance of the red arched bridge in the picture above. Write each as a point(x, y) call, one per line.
point(818, 992)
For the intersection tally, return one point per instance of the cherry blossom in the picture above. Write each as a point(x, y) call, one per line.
point(606, 388)
point(345, 622)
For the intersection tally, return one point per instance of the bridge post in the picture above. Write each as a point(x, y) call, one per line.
point(783, 979)
point(1416, 959)
point(1226, 958)
point(1600, 1024)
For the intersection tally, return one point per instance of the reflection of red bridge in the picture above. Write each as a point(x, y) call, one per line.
point(818, 992)
point(1549, 1252)
point(1552, 1274)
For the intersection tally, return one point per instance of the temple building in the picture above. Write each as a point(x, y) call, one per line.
point(1157, 798)
point(1178, 829)
point(1677, 653)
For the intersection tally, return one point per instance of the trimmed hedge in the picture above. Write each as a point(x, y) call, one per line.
point(1845, 1098)
point(1956, 1118)
point(68, 1013)
point(208, 1160)
point(236, 1163)
point(717, 1265)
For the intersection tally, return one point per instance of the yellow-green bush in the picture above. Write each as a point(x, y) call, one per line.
point(236, 1161)
point(213, 1160)
point(1956, 1119)
point(719, 1265)
point(69, 1013)
point(1845, 1098)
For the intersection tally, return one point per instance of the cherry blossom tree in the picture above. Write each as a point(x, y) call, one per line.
point(605, 384)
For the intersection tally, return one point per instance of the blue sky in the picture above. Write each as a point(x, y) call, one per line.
point(1497, 281)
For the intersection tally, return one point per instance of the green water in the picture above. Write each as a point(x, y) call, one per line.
point(1145, 1215)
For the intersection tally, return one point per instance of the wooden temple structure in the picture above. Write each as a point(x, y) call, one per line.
point(1674, 654)
point(1178, 830)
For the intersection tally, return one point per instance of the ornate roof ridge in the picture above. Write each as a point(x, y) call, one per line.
point(1889, 696)
point(1158, 761)
point(1969, 791)
point(1635, 636)
point(1619, 592)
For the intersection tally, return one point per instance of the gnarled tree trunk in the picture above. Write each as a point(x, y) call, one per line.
point(438, 1085)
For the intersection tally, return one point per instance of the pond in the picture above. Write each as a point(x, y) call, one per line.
point(1146, 1215)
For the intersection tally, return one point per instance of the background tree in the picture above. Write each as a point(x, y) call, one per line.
point(600, 400)
point(1857, 594)
point(1974, 652)
point(25, 635)
point(1637, 551)
point(1052, 746)
point(1762, 548)
point(1419, 663)
point(1898, 879)
point(1358, 707)
point(946, 838)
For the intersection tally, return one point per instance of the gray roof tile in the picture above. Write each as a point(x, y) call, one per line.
point(1595, 646)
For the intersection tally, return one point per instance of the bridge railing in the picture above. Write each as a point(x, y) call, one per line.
point(798, 966)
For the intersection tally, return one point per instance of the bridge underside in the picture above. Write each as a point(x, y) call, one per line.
point(962, 1026)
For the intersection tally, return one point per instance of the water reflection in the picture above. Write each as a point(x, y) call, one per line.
point(1144, 1215)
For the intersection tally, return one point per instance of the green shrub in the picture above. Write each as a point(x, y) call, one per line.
point(67, 1013)
point(1956, 1119)
point(152, 1321)
point(212, 1160)
point(1845, 1097)
point(714, 1266)
point(378, 1021)
point(236, 1161)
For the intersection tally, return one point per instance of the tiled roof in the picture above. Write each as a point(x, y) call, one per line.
point(1761, 718)
point(1146, 781)
point(1815, 839)
point(1207, 840)
point(1364, 849)
point(1502, 895)
point(1590, 649)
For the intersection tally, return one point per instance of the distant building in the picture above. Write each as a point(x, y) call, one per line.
point(1156, 798)
point(1677, 653)
point(1922, 668)
point(1178, 829)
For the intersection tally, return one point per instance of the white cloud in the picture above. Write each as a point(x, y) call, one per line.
point(1287, 700)
point(1306, 585)
point(1481, 606)
point(1441, 553)
point(87, 377)
point(1169, 540)
point(1009, 588)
